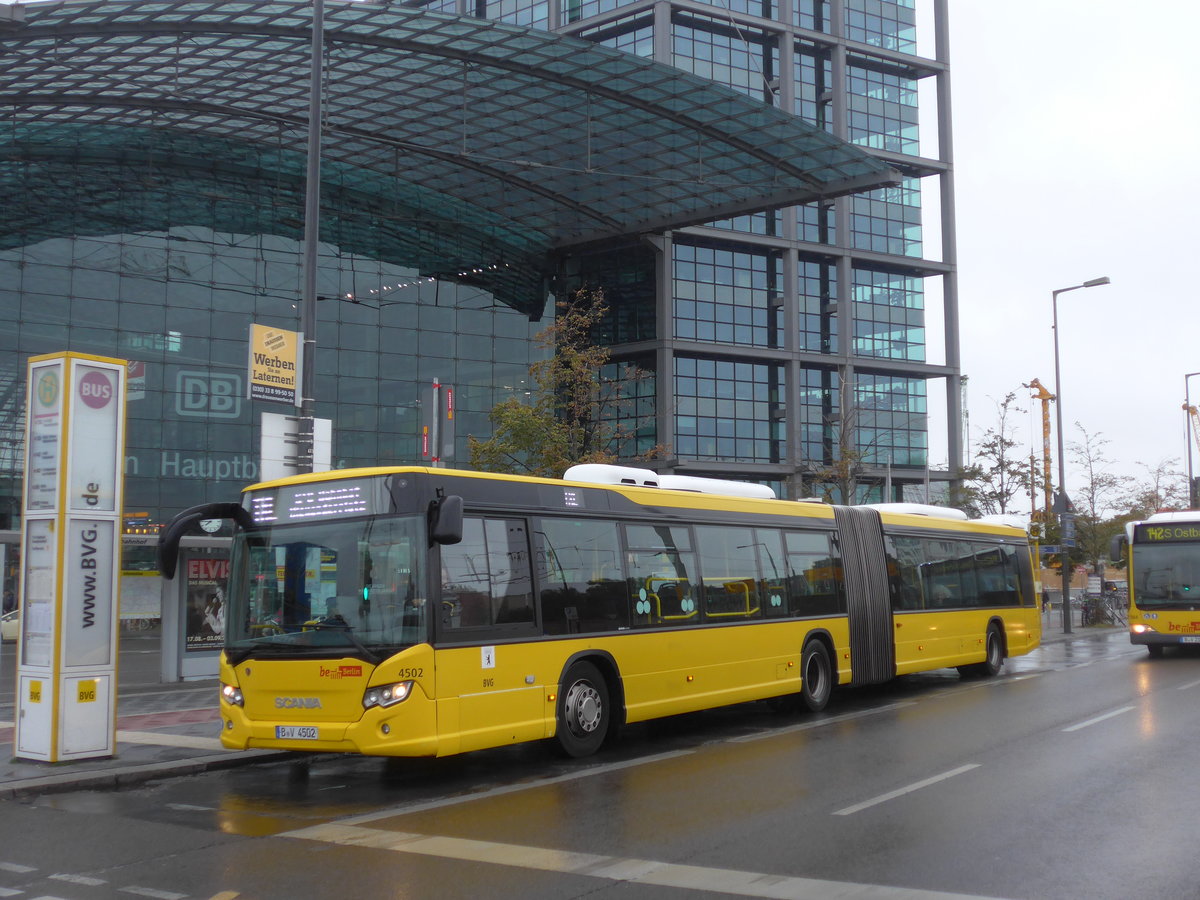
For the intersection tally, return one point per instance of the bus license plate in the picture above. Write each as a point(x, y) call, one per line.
point(296, 733)
point(1190, 639)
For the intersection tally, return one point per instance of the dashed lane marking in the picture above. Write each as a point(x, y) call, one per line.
point(1097, 719)
point(900, 792)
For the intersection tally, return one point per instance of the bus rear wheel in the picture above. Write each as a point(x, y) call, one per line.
point(816, 676)
point(993, 660)
point(583, 711)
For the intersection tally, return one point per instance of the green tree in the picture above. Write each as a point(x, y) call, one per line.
point(999, 477)
point(573, 412)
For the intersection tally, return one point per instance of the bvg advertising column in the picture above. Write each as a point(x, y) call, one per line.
point(74, 484)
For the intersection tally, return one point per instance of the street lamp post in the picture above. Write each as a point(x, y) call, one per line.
point(307, 445)
point(1063, 512)
point(1188, 434)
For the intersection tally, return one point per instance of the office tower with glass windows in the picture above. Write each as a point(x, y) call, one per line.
point(801, 347)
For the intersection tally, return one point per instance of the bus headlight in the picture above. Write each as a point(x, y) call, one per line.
point(232, 694)
point(385, 695)
point(1140, 629)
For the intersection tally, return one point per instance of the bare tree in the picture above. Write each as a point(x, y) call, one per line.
point(839, 475)
point(1163, 487)
point(1001, 474)
point(1095, 499)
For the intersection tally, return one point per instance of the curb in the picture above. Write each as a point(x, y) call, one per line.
point(124, 776)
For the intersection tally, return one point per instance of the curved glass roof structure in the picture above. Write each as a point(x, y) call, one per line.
point(467, 149)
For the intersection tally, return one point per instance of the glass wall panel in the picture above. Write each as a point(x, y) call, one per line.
point(727, 410)
point(889, 315)
point(727, 295)
point(178, 304)
point(741, 58)
point(891, 24)
point(882, 109)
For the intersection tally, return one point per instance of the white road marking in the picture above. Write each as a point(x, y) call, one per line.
point(10, 892)
point(151, 892)
point(1190, 684)
point(511, 788)
point(900, 792)
point(832, 720)
point(79, 879)
point(15, 867)
point(166, 739)
point(633, 871)
point(1107, 715)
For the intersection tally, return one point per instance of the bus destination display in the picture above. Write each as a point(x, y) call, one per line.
point(307, 502)
point(1166, 533)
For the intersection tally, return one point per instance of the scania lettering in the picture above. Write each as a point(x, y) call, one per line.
point(298, 702)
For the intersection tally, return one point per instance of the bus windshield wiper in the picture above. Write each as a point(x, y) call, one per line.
point(347, 631)
point(302, 643)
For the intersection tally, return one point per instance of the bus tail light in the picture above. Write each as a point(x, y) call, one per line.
point(385, 695)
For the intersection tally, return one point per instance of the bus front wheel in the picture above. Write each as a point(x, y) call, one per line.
point(816, 676)
point(583, 711)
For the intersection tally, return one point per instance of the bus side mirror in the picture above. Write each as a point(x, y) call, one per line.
point(446, 520)
point(1117, 547)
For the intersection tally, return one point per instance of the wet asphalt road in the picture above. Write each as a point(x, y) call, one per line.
point(1065, 777)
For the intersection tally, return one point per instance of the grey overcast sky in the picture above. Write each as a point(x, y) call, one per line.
point(1076, 128)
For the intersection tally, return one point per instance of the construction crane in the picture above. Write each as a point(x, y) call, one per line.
point(1191, 411)
point(1045, 396)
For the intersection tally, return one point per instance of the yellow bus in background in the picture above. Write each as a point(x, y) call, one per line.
point(416, 611)
point(1164, 579)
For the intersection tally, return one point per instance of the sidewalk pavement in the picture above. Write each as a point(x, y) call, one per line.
point(184, 741)
point(150, 745)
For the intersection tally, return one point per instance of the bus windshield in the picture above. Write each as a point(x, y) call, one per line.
point(348, 587)
point(1167, 575)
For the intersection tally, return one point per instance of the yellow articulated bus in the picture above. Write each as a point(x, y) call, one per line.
point(1164, 579)
point(415, 611)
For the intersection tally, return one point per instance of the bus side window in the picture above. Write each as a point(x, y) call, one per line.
point(904, 572)
point(583, 589)
point(466, 586)
point(661, 570)
point(486, 577)
point(729, 562)
point(815, 567)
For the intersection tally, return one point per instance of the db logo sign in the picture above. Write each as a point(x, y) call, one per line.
point(95, 389)
point(209, 395)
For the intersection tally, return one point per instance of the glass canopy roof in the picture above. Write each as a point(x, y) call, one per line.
point(465, 148)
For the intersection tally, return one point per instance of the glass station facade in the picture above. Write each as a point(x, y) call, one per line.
point(755, 331)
